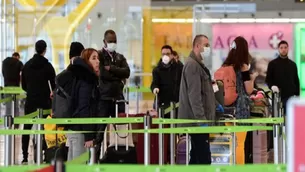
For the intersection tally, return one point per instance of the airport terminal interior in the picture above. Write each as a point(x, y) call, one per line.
point(158, 39)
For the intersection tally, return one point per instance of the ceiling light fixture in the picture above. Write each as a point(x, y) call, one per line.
point(230, 20)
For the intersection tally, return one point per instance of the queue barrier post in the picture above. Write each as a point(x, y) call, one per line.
point(39, 140)
point(92, 158)
point(172, 136)
point(137, 99)
point(8, 123)
point(187, 149)
point(59, 165)
point(282, 140)
point(147, 125)
point(14, 114)
point(276, 127)
point(160, 139)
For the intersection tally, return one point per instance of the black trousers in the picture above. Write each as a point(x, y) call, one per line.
point(106, 109)
point(200, 149)
point(25, 139)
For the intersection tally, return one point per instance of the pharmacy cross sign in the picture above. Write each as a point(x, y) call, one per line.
point(275, 39)
point(296, 139)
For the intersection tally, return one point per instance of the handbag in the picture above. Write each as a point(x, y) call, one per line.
point(119, 155)
point(56, 143)
point(118, 152)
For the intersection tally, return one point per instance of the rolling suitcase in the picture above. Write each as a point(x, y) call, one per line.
point(121, 149)
point(259, 109)
point(154, 141)
point(181, 150)
point(154, 145)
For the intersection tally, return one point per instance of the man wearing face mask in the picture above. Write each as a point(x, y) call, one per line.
point(166, 78)
point(166, 82)
point(114, 71)
point(197, 99)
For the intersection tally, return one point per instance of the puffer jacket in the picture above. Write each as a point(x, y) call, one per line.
point(84, 94)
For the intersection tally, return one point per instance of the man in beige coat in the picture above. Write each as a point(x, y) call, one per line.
point(197, 100)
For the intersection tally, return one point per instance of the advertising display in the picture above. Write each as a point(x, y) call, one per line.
point(262, 39)
point(177, 35)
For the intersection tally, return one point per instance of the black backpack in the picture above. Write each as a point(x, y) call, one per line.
point(63, 98)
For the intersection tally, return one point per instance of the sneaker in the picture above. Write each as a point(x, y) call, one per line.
point(24, 162)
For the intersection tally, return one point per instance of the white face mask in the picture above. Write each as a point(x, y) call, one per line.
point(111, 47)
point(165, 59)
point(206, 52)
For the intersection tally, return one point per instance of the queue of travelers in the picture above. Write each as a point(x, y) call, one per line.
point(95, 80)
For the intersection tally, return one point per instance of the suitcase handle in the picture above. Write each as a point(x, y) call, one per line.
point(122, 101)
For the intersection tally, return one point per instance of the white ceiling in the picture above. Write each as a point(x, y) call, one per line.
point(262, 5)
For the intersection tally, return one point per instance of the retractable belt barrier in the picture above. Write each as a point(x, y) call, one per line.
point(132, 120)
point(18, 93)
point(155, 168)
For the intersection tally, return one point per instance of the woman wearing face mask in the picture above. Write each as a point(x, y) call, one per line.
point(85, 70)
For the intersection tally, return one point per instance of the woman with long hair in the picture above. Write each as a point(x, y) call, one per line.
point(240, 58)
point(84, 71)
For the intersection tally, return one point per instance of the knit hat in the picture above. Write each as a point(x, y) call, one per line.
point(76, 49)
point(40, 46)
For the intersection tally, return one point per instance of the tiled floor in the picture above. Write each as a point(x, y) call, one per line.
point(144, 106)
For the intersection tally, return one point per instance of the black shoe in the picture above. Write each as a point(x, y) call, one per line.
point(24, 162)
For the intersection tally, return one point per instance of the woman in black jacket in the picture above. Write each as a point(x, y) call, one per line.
point(85, 69)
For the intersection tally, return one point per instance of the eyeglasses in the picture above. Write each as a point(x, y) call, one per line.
point(167, 54)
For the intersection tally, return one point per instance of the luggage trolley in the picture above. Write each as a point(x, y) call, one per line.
point(223, 145)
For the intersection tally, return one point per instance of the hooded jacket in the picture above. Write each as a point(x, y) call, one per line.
point(167, 78)
point(35, 76)
point(11, 68)
point(84, 94)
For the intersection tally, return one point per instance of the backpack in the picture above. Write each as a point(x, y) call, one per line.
point(63, 101)
point(228, 76)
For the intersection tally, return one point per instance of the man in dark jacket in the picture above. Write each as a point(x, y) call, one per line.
point(166, 78)
point(166, 82)
point(197, 99)
point(282, 75)
point(114, 71)
point(76, 49)
point(11, 69)
point(36, 74)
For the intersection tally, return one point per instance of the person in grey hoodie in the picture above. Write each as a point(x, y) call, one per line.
point(197, 100)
